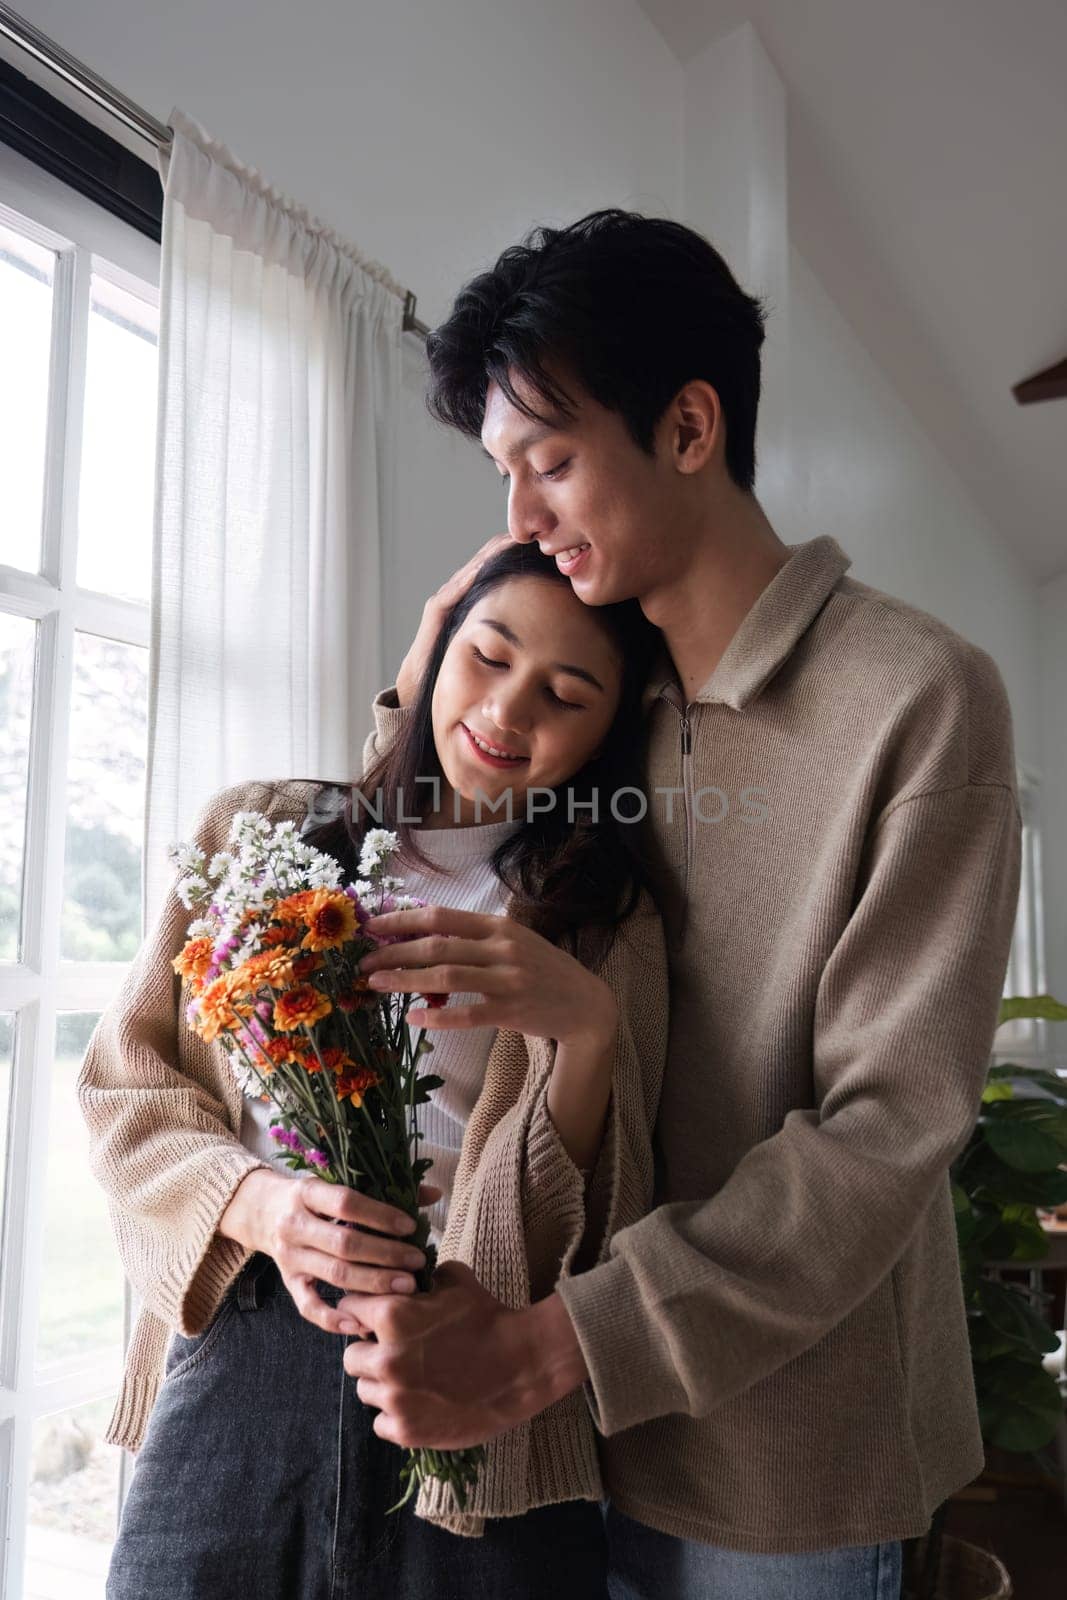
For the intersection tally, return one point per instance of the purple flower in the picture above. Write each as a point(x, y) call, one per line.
point(287, 1137)
point(317, 1158)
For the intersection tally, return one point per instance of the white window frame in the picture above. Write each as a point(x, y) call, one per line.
point(87, 239)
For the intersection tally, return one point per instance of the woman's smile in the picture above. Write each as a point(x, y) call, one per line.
point(490, 755)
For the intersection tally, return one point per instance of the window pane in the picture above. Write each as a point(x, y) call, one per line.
point(26, 275)
point(18, 639)
point(73, 1504)
point(118, 444)
point(105, 801)
point(7, 1067)
point(81, 1305)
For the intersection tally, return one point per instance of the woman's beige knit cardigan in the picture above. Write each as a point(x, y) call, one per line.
point(163, 1110)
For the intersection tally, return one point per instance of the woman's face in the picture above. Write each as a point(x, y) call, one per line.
point(531, 673)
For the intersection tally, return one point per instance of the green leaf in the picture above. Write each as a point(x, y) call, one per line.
point(1013, 1317)
point(1017, 1006)
point(986, 1343)
point(1039, 1077)
point(1032, 1242)
point(991, 1180)
point(996, 1091)
point(1030, 1135)
point(1019, 1404)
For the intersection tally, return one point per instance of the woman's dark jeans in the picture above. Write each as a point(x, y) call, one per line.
point(260, 1474)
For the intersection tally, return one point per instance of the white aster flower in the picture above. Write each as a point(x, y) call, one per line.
point(378, 843)
point(186, 857)
point(192, 890)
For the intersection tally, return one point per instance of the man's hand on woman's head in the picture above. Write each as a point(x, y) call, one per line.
point(442, 600)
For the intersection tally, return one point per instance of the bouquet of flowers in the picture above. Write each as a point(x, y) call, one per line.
point(272, 966)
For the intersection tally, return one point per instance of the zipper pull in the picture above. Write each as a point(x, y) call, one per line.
point(686, 737)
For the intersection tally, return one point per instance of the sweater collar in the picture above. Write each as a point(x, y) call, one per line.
point(770, 629)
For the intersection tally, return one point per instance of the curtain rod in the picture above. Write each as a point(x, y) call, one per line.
point(88, 82)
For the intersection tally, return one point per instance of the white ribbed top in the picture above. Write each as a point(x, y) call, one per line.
point(459, 1055)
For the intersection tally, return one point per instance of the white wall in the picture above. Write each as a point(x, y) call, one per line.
point(865, 473)
point(1053, 600)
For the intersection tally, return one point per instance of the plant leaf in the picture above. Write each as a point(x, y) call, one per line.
point(1018, 1006)
point(1030, 1135)
point(1014, 1318)
point(1019, 1404)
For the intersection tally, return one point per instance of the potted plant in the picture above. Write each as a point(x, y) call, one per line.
point(1014, 1163)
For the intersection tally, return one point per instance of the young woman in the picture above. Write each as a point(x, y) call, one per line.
point(257, 1464)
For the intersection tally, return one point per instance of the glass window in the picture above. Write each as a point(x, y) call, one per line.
point(105, 801)
point(118, 444)
point(81, 1297)
point(72, 1514)
point(18, 638)
point(26, 276)
point(7, 1065)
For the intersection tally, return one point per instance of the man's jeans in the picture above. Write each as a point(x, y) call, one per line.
point(645, 1564)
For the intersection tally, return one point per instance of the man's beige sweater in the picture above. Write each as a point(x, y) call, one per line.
point(778, 1352)
point(163, 1112)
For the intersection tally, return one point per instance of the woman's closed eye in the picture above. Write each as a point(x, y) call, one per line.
point(569, 705)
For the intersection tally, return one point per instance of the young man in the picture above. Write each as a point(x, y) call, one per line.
point(777, 1356)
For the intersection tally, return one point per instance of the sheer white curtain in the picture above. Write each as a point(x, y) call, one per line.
point(279, 390)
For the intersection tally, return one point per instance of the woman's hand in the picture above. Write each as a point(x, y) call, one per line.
point(295, 1221)
point(443, 599)
point(529, 984)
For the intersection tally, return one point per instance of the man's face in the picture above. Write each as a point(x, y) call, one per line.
point(614, 518)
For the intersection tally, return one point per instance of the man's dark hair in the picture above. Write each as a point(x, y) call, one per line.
point(635, 307)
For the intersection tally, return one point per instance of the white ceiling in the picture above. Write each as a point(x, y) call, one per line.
point(927, 157)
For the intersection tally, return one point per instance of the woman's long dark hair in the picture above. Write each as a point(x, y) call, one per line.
point(577, 877)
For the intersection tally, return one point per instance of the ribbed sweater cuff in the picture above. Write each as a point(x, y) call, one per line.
point(626, 1346)
point(205, 1272)
point(553, 1200)
point(132, 1409)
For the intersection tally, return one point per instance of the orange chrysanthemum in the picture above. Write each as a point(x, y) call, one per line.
point(216, 1011)
point(301, 1007)
point(305, 964)
point(281, 933)
point(280, 1052)
point(331, 919)
point(354, 1085)
point(193, 961)
point(266, 966)
point(359, 995)
point(336, 1058)
point(293, 907)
